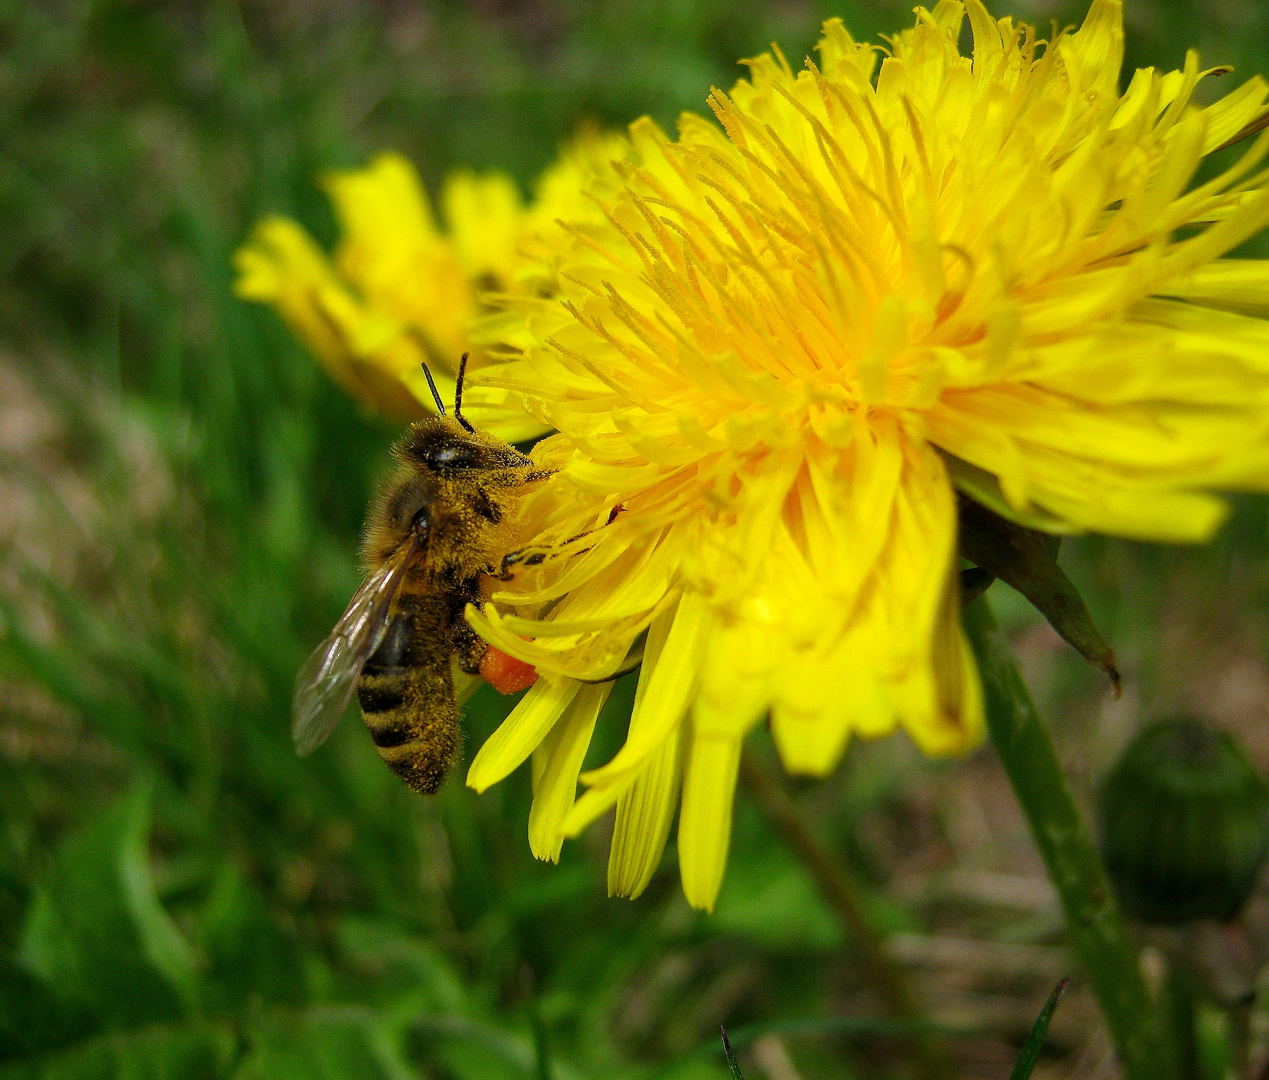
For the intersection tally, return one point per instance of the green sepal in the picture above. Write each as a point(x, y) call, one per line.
point(1024, 558)
point(984, 489)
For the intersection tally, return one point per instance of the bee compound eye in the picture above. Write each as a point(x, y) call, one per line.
point(452, 455)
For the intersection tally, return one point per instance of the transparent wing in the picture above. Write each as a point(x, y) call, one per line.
point(326, 681)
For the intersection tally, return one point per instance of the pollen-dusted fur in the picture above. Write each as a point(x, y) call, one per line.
point(451, 498)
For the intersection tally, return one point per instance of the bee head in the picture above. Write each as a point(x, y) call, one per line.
point(448, 446)
point(451, 491)
point(450, 494)
point(440, 446)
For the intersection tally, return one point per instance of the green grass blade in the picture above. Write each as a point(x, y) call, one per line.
point(730, 1054)
point(1035, 1040)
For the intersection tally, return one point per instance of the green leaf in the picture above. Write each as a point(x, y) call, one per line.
point(249, 952)
point(195, 1051)
point(411, 973)
point(470, 1049)
point(782, 909)
point(96, 932)
point(32, 1018)
point(1213, 1042)
point(324, 1044)
point(1035, 1039)
point(769, 898)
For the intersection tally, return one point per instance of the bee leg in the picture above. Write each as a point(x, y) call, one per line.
point(523, 557)
point(469, 647)
point(536, 556)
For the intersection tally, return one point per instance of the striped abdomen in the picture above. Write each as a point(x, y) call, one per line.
point(406, 691)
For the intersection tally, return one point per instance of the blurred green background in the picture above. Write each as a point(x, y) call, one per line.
point(181, 490)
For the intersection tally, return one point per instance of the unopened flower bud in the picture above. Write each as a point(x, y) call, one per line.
point(1184, 823)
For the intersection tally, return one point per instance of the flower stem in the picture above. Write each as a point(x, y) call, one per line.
point(839, 889)
point(1098, 933)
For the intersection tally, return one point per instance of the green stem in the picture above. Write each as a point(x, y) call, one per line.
point(1098, 933)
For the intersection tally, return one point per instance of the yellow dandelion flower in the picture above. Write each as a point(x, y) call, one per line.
point(795, 335)
point(399, 291)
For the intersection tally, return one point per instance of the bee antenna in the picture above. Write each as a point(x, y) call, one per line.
point(458, 395)
point(427, 374)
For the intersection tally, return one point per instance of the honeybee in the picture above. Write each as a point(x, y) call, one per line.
point(435, 530)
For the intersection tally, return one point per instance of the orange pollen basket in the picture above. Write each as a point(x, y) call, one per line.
point(505, 673)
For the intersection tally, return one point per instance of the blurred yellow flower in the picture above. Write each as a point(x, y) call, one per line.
point(400, 291)
point(791, 340)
